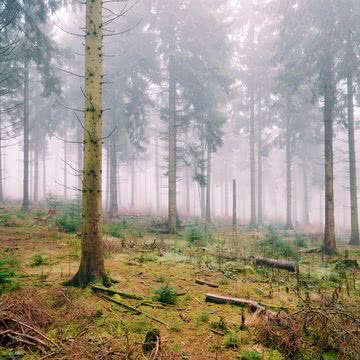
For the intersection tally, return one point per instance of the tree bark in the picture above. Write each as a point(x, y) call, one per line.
point(187, 185)
point(80, 139)
point(202, 186)
point(26, 201)
point(157, 175)
point(92, 260)
point(172, 144)
point(234, 219)
point(306, 193)
point(329, 94)
point(65, 163)
point(44, 171)
point(113, 205)
point(208, 185)
point(36, 172)
point(133, 183)
point(260, 175)
point(354, 239)
point(1, 161)
point(289, 223)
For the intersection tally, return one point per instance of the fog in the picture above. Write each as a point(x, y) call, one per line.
point(240, 76)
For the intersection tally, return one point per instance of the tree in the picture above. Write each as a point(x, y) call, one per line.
point(92, 260)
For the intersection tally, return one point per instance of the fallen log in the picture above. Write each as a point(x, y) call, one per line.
point(313, 250)
point(123, 294)
point(278, 264)
point(220, 299)
point(208, 283)
point(132, 308)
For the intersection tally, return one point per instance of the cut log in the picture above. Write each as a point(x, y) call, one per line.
point(278, 264)
point(220, 299)
point(123, 294)
point(313, 250)
point(208, 283)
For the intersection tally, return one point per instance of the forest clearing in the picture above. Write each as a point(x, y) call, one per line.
point(178, 179)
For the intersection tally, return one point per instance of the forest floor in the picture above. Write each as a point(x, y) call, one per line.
point(40, 318)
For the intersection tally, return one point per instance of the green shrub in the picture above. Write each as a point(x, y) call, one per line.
point(69, 219)
point(166, 295)
point(5, 219)
point(300, 241)
point(7, 274)
point(143, 258)
point(231, 340)
point(115, 230)
point(38, 260)
point(197, 235)
point(250, 355)
point(273, 245)
point(204, 316)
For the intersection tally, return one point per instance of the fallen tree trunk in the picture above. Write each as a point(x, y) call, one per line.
point(208, 283)
point(123, 294)
point(219, 299)
point(313, 250)
point(278, 264)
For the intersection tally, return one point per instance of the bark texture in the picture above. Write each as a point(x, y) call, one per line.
point(92, 261)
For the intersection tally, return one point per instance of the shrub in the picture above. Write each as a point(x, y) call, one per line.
point(115, 230)
point(7, 274)
point(69, 219)
point(231, 340)
point(197, 235)
point(38, 260)
point(203, 317)
point(250, 355)
point(5, 219)
point(166, 295)
point(300, 241)
point(273, 245)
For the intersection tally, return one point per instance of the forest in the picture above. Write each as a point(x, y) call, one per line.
point(178, 179)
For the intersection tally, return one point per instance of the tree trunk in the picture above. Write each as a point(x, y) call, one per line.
point(36, 172)
point(80, 139)
point(289, 223)
point(202, 186)
point(172, 145)
point(44, 171)
point(133, 183)
point(306, 193)
point(329, 94)
point(113, 205)
point(260, 175)
point(92, 260)
point(234, 222)
point(187, 184)
point(26, 201)
point(65, 163)
point(208, 185)
point(107, 194)
point(1, 160)
point(354, 239)
point(157, 175)
point(226, 197)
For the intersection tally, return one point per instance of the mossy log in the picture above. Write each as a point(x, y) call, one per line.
point(277, 264)
point(208, 283)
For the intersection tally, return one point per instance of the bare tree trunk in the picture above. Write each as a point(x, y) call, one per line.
point(354, 239)
point(80, 137)
point(208, 186)
point(26, 200)
point(187, 184)
point(44, 171)
point(306, 193)
point(157, 175)
point(92, 260)
point(172, 145)
point(65, 163)
point(1, 161)
point(289, 223)
point(107, 194)
point(202, 186)
point(234, 221)
point(133, 182)
point(260, 175)
point(329, 93)
point(36, 172)
point(113, 205)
